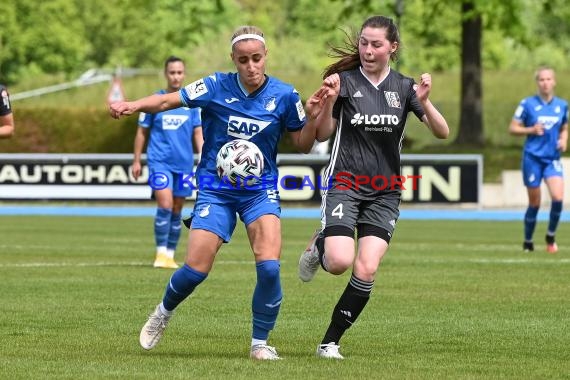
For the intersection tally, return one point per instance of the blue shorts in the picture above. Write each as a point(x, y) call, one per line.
point(216, 210)
point(160, 177)
point(534, 169)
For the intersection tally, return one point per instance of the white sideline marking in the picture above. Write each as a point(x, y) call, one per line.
point(488, 261)
point(250, 262)
point(517, 261)
point(103, 264)
point(47, 265)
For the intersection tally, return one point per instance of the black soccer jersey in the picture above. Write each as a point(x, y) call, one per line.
point(5, 107)
point(365, 157)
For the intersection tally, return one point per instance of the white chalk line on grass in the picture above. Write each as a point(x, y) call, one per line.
point(249, 262)
point(518, 261)
point(104, 264)
point(534, 261)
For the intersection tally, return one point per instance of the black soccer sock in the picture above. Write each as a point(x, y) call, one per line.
point(320, 244)
point(348, 308)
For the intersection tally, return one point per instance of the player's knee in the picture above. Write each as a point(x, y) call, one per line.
point(338, 262)
point(268, 271)
point(338, 249)
point(365, 270)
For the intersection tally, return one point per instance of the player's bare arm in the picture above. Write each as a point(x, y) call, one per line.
point(563, 138)
point(432, 118)
point(516, 128)
point(150, 104)
point(138, 146)
point(326, 123)
point(6, 126)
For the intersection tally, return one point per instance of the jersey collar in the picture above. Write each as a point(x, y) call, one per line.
point(372, 83)
point(542, 101)
point(253, 94)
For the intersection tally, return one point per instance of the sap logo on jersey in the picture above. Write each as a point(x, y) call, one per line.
point(548, 121)
point(172, 122)
point(245, 128)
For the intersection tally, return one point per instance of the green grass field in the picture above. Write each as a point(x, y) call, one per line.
point(453, 300)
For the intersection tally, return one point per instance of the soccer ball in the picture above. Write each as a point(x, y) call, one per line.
point(240, 161)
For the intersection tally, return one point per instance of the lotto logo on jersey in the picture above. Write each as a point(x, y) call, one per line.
point(245, 128)
point(358, 119)
point(172, 122)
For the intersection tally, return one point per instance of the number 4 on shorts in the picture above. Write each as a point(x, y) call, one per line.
point(337, 211)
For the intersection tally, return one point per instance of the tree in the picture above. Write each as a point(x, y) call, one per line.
point(471, 114)
point(475, 17)
point(40, 37)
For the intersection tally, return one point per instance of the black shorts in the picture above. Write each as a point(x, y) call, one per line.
point(343, 213)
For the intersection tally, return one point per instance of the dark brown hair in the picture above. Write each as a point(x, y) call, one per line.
point(171, 59)
point(348, 55)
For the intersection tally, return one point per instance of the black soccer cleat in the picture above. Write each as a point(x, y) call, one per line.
point(528, 246)
point(551, 246)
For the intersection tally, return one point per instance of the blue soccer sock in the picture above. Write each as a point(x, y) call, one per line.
point(174, 233)
point(267, 297)
point(162, 226)
point(530, 222)
point(555, 211)
point(181, 285)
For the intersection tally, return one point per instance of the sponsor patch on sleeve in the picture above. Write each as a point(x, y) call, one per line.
point(142, 115)
point(196, 89)
point(519, 111)
point(5, 99)
point(300, 110)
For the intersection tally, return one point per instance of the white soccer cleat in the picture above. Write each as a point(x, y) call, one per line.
point(329, 351)
point(153, 329)
point(309, 260)
point(263, 352)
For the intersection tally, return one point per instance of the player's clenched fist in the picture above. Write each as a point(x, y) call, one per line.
point(119, 109)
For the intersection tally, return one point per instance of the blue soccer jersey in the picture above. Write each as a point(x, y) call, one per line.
point(170, 143)
point(553, 115)
point(228, 114)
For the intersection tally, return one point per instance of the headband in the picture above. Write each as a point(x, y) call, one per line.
point(248, 36)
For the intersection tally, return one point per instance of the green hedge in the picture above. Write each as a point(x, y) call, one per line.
point(77, 130)
point(69, 130)
point(91, 130)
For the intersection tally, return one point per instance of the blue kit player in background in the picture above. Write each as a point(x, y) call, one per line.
point(170, 157)
point(543, 119)
point(245, 105)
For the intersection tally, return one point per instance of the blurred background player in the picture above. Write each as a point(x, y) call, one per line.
point(543, 119)
point(6, 116)
point(171, 135)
